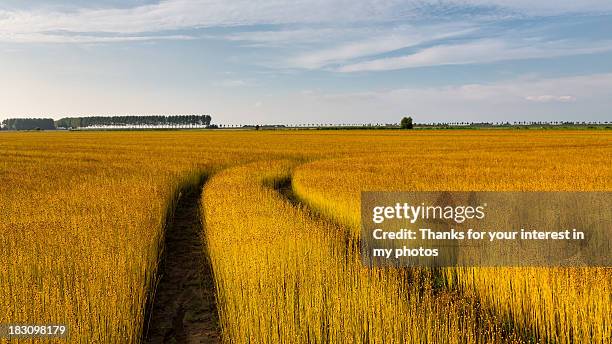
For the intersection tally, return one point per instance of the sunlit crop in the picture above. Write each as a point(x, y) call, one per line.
point(284, 277)
point(561, 305)
point(82, 220)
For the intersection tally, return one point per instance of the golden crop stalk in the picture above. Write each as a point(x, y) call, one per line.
point(82, 219)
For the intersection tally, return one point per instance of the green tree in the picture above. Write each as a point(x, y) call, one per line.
point(153, 120)
point(406, 123)
point(28, 124)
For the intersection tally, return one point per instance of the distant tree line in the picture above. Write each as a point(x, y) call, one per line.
point(95, 121)
point(513, 124)
point(28, 124)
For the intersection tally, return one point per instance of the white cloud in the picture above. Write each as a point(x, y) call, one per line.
point(192, 14)
point(544, 7)
point(480, 51)
point(189, 14)
point(378, 42)
point(550, 98)
point(587, 97)
point(56, 38)
point(271, 38)
point(518, 90)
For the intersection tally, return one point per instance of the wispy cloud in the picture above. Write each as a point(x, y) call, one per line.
point(543, 7)
point(35, 37)
point(193, 14)
point(514, 99)
point(379, 41)
point(291, 36)
point(519, 91)
point(547, 98)
point(171, 15)
point(480, 51)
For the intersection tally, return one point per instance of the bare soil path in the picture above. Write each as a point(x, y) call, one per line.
point(184, 309)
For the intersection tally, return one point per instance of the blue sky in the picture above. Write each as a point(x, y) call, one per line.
point(332, 61)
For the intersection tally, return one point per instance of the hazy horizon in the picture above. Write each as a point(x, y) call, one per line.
point(318, 61)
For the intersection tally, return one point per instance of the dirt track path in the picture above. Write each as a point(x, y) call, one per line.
point(184, 308)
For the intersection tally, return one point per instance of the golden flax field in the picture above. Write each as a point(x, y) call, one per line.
point(83, 219)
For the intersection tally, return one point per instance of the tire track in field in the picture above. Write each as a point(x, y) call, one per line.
point(183, 309)
point(489, 320)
